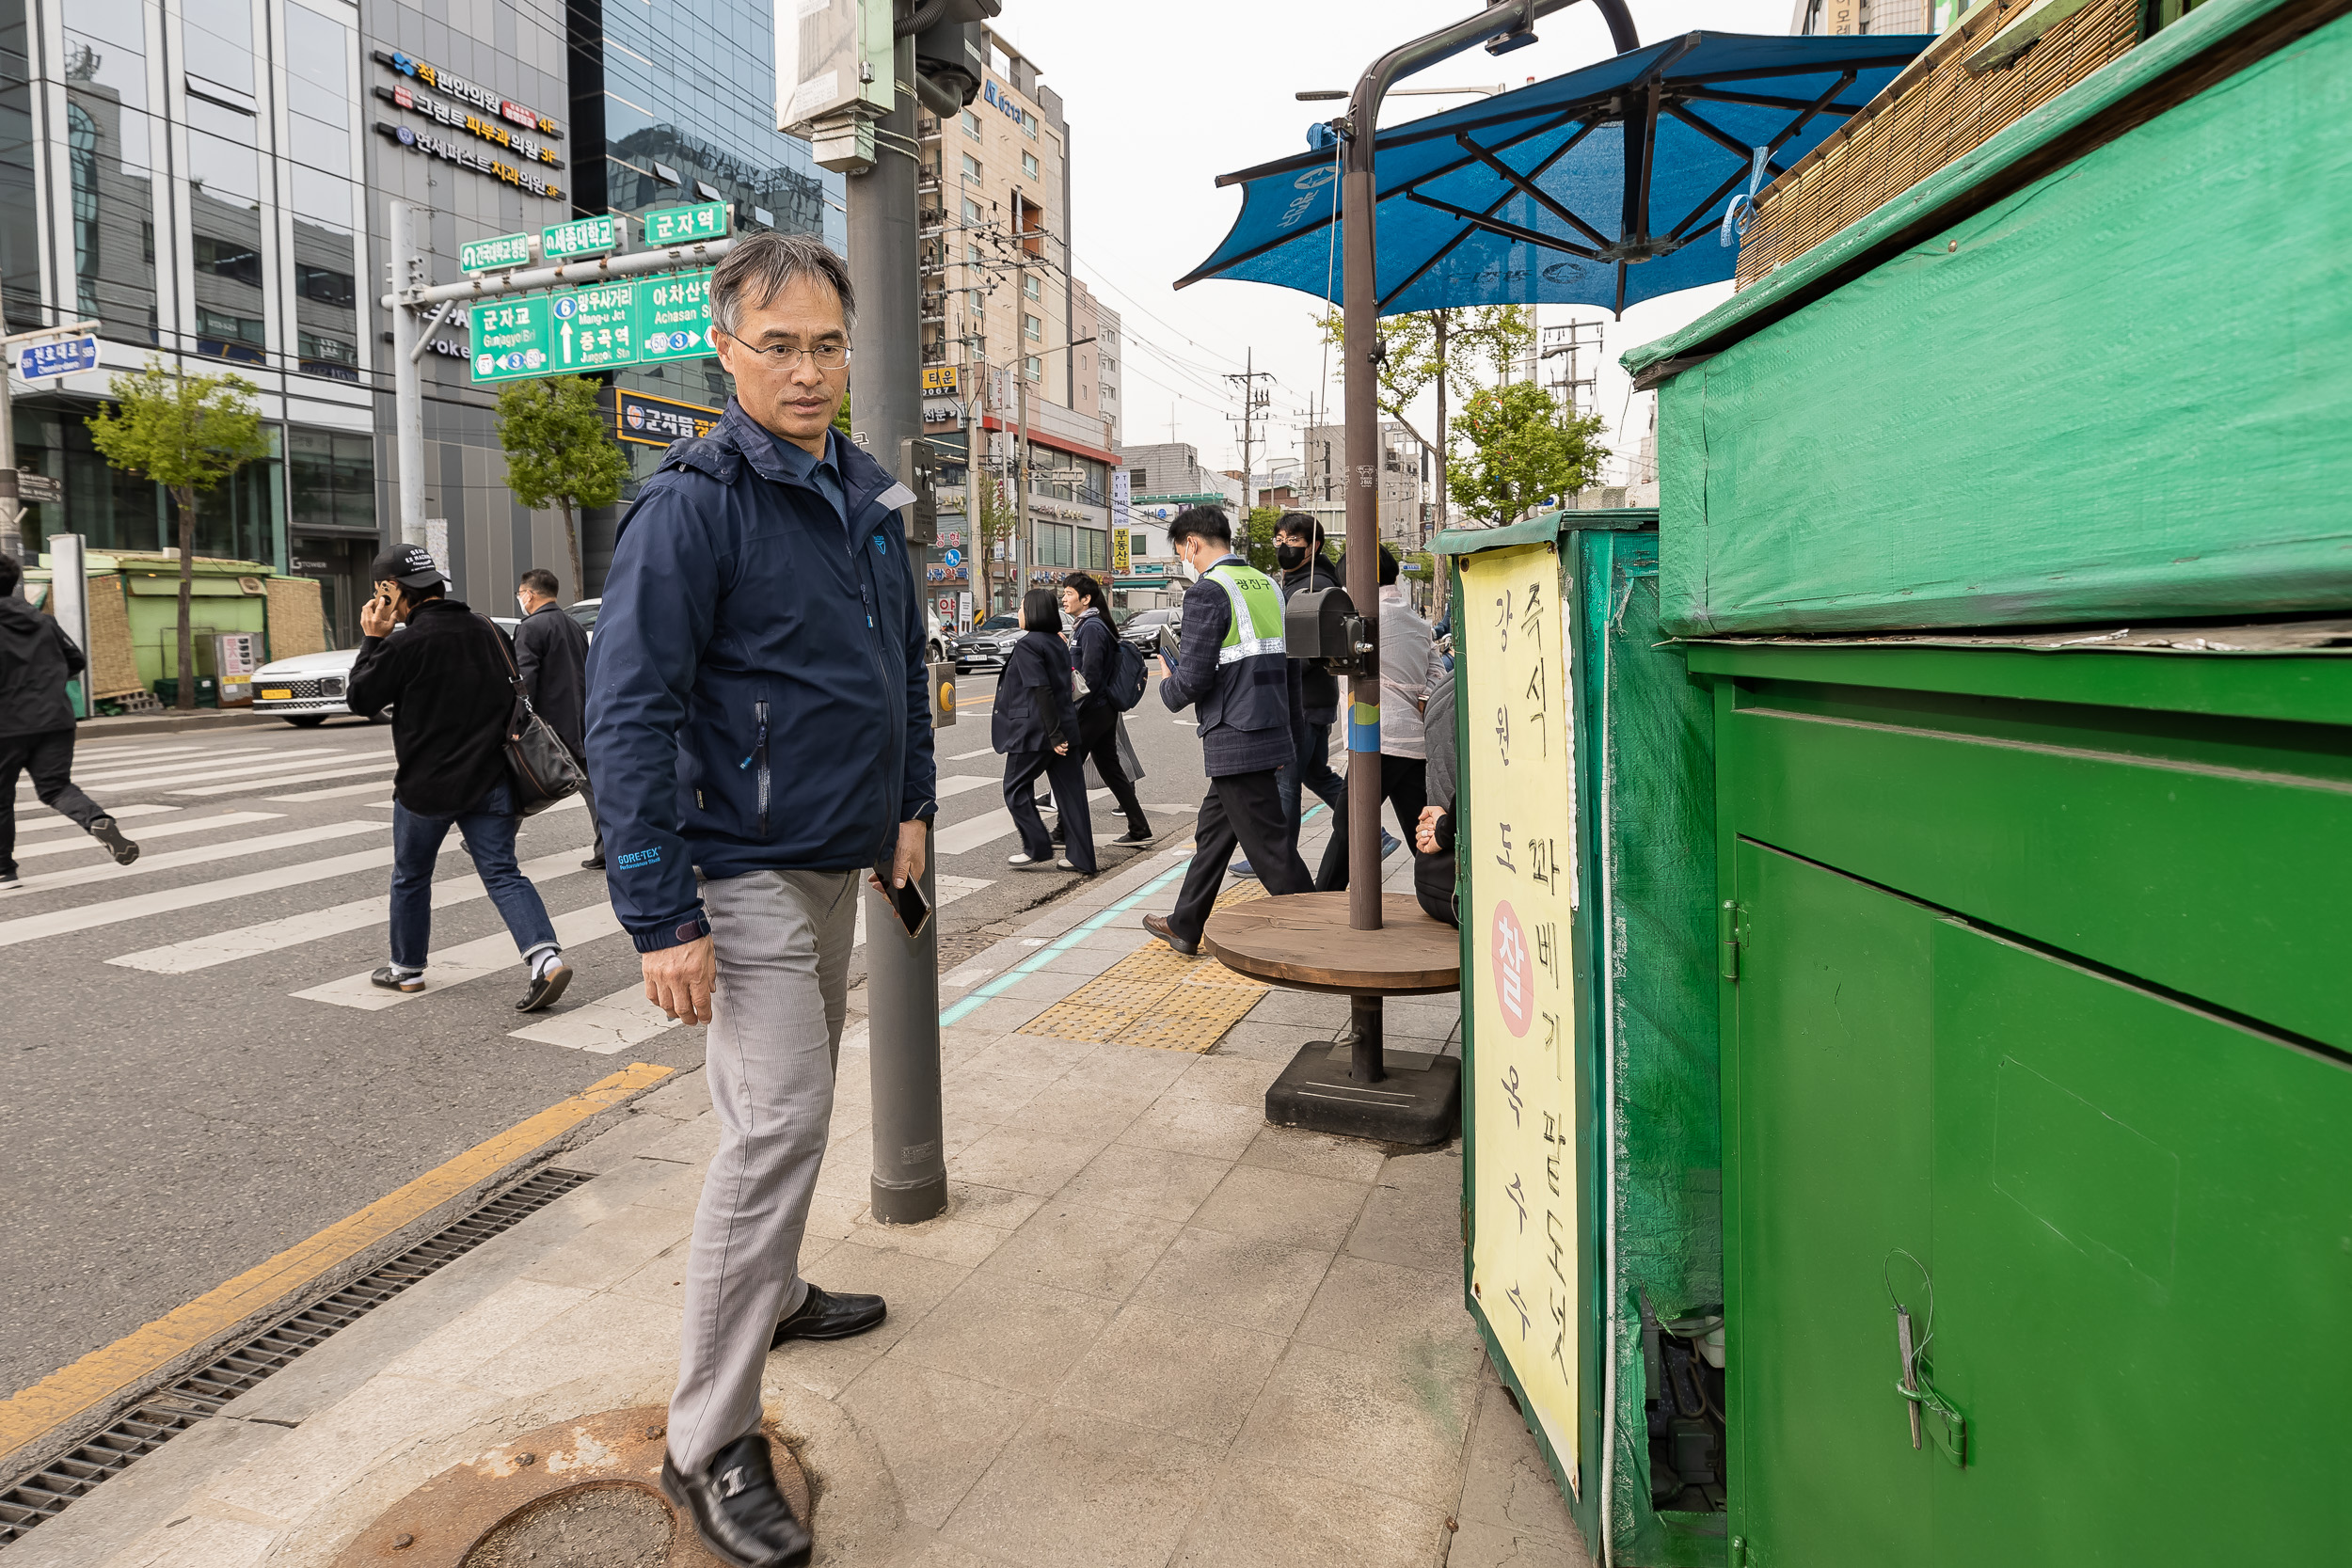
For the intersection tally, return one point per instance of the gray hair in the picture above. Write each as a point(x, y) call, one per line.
point(759, 265)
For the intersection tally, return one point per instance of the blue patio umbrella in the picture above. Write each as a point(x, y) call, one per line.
point(1605, 186)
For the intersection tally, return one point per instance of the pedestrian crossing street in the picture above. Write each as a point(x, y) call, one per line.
point(278, 843)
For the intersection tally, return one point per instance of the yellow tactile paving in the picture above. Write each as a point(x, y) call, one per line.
point(1157, 997)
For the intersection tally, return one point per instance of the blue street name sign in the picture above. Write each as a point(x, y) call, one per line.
point(57, 357)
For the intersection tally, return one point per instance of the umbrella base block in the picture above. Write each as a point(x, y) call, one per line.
point(1414, 1099)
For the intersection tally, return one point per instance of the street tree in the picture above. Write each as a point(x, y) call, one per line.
point(1519, 448)
point(558, 453)
point(186, 433)
point(999, 522)
point(1259, 544)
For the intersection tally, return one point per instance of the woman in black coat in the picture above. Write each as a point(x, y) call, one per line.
point(1036, 726)
point(1095, 645)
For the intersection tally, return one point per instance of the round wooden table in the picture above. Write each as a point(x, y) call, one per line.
point(1303, 941)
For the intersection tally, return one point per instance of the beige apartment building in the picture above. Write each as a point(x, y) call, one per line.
point(1407, 476)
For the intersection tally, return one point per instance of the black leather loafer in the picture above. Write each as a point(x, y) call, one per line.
point(739, 1513)
point(826, 1316)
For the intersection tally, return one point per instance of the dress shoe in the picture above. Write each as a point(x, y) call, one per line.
point(826, 1316)
point(739, 1513)
point(1137, 835)
point(1159, 928)
point(594, 863)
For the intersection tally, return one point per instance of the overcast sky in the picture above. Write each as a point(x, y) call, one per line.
point(1163, 98)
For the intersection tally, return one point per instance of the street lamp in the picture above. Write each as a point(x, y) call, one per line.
point(1322, 95)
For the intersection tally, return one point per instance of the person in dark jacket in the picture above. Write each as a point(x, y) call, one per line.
point(1086, 609)
point(1298, 552)
point(1035, 724)
point(1234, 675)
point(551, 652)
point(759, 709)
point(36, 659)
point(446, 680)
point(1433, 869)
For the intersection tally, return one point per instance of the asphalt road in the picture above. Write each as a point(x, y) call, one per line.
point(199, 1075)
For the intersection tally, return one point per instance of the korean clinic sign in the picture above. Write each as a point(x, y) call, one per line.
point(652, 421)
point(1526, 1270)
point(466, 92)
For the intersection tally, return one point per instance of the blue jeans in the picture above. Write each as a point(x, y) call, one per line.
point(1311, 743)
point(489, 831)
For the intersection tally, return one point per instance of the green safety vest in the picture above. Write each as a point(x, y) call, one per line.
point(1257, 621)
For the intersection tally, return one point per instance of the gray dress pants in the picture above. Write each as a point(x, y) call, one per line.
point(783, 941)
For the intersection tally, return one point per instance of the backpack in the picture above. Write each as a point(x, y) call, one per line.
point(1129, 674)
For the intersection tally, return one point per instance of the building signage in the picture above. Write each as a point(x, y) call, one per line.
point(638, 321)
point(407, 97)
point(466, 92)
point(1122, 552)
point(507, 250)
point(705, 220)
point(940, 378)
point(1001, 99)
point(58, 357)
point(466, 157)
point(947, 573)
point(941, 411)
point(652, 421)
point(1118, 498)
point(594, 236)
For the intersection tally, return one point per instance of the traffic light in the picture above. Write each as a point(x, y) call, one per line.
point(951, 57)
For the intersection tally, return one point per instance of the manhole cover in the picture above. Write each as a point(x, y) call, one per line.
point(603, 1526)
point(583, 1494)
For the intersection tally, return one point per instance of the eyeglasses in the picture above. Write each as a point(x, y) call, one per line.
point(787, 356)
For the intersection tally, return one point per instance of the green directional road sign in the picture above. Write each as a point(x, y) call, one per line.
point(580, 237)
point(594, 328)
point(705, 220)
point(673, 316)
point(511, 337)
point(507, 250)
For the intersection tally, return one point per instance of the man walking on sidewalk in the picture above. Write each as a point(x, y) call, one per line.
point(551, 652)
point(445, 679)
point(1236, 676)
point(759, 710)
point(36, 659)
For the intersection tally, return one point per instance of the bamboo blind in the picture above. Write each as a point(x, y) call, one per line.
point(297, 622)
point(114, 664)
point(1933, 113)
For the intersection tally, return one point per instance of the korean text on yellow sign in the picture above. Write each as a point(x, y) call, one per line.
point(1521, 783)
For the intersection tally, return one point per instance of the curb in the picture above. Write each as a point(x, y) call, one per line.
point(174, 723)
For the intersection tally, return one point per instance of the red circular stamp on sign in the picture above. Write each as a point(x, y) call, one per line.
point(1515, 979)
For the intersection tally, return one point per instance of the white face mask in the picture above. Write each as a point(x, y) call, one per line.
point(522, 604)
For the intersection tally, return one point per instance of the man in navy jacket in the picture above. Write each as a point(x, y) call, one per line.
point(759, 710)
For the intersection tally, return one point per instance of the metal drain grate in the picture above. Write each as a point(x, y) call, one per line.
point(163, 1414)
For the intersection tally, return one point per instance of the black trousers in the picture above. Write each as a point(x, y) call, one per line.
point(1404, 784)
point(1098, 743)
point(49, 758)
point(1245, 809)
point(1068, 777)
point(588, 798)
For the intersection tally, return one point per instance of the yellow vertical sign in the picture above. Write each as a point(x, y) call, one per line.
point(1120, 557)
point(1526, 1270)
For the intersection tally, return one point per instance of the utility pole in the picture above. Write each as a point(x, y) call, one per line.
point(909, 1181)
point(410, 269)
point(1025, 545)
point(1251, 401)
point(1442, 325)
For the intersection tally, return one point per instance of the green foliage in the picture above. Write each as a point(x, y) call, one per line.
point(1515, 450)
point(998, 520)
point(186, 433)
point(1478, 340)
point(1259, 547)
point(558, 453)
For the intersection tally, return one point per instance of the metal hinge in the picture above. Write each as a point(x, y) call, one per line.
point(1727, 940)
point(1738, 1551)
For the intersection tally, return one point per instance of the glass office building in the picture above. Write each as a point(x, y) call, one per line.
point(186, 174)
point(675, 102)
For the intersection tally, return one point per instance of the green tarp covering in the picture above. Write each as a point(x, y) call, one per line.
point(2120, 391)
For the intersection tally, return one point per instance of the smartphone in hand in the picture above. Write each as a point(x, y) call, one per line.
point(913, 909)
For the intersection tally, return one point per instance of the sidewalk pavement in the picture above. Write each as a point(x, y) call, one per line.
point(1149, 1329)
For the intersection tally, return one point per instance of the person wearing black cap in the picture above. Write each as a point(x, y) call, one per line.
point(36, 659)
point(446, 681)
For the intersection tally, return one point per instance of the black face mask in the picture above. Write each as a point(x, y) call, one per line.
point(1290, 557)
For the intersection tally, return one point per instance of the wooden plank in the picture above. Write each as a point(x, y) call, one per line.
point(1303, 941)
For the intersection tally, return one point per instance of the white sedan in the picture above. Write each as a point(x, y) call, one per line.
point(308, 690)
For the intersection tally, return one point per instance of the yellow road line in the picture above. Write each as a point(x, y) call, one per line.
point(71, 1392)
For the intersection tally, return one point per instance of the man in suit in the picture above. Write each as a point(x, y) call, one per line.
point(551, 654)
point(1233, 671)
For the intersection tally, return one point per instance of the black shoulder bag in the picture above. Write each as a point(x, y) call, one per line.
point(538, 764)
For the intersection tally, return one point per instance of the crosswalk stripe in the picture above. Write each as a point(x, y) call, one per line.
point(987, 827)
point(251, 786)
point(116, 773)
point(85, 758)
point(472, 960)
point(269, 936)
point(54, 824)
point(146, 863)
point(112, 912)
point(337, 793)
point(161, 830)
point(956, 784)
point(149, 778)
point(625, 1017)
point(966, 756)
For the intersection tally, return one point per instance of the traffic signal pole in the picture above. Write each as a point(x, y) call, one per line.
point(909, 1181)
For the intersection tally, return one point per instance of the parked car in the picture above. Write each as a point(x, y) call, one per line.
point(308, 690)
point(984, 646)
point(1142, 628)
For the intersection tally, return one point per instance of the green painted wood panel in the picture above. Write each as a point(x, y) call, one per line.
point(2119, 392)
point(1828, 1109)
